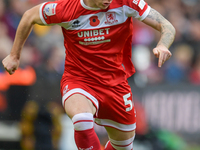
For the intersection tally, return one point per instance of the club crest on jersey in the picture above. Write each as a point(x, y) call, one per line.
point(111, 18)
point(50, 9)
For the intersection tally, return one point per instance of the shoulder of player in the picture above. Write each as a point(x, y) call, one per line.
point(121, 3)
point(117, 3)
point(67, 3)
point(67, 8)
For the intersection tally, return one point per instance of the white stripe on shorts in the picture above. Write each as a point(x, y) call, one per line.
point(81, 91)
point(116, 125)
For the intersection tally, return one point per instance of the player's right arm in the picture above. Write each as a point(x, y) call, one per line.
point(29, 18)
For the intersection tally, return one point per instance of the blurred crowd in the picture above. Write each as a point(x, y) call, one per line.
point(42, 59)
point(184, 66)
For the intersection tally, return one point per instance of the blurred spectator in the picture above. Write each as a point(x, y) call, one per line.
point(24, 77)
point(194, 30)
point(142, 34)
point(146, 67)
point(181, 23)
point(49, 73)
point(40, 126)
point(14, 14)
point(18, 85)
point(5, 43)
point(43, 37)
point(2, 9)
point(179, 66)
point(194, 75)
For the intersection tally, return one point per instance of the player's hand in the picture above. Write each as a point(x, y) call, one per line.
point(162, 53)
point(11, 64)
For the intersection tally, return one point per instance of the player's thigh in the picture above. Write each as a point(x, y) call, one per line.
point(78, 103)
point(119, 135)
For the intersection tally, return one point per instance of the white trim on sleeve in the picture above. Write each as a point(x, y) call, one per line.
point(40, 12)
point(144, 15)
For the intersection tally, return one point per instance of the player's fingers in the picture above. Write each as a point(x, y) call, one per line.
point(163, 57)
point(10, 71)
point(166, 57)
point(169, 55)
point(7, 70)
point(13, 71)
point(161, 60)
point(156, 52)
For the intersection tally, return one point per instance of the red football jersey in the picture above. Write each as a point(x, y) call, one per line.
point(97, 42)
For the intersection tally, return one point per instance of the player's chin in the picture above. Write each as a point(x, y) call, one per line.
point(104, 6)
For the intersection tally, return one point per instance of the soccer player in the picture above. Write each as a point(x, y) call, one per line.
point(97, 36)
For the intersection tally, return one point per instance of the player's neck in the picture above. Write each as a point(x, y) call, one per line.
point(90, 3)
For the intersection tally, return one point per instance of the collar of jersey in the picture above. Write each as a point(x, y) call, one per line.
point(87, 7)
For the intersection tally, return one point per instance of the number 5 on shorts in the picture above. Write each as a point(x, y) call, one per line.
point(126, 101)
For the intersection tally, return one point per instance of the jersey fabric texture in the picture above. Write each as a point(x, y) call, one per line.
point(94, 38)
point(98, 55)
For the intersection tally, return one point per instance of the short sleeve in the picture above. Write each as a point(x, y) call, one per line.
point(138, 9)
point(51, 12)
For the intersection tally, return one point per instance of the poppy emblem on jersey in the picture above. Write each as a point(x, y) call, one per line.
point(94, 21)
point(111, 18)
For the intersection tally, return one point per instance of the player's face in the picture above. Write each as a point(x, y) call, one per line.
point(103, 4)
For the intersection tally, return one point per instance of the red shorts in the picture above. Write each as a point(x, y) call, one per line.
point(114, 104)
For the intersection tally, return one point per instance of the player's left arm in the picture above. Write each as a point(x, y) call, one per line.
point(158, 22)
